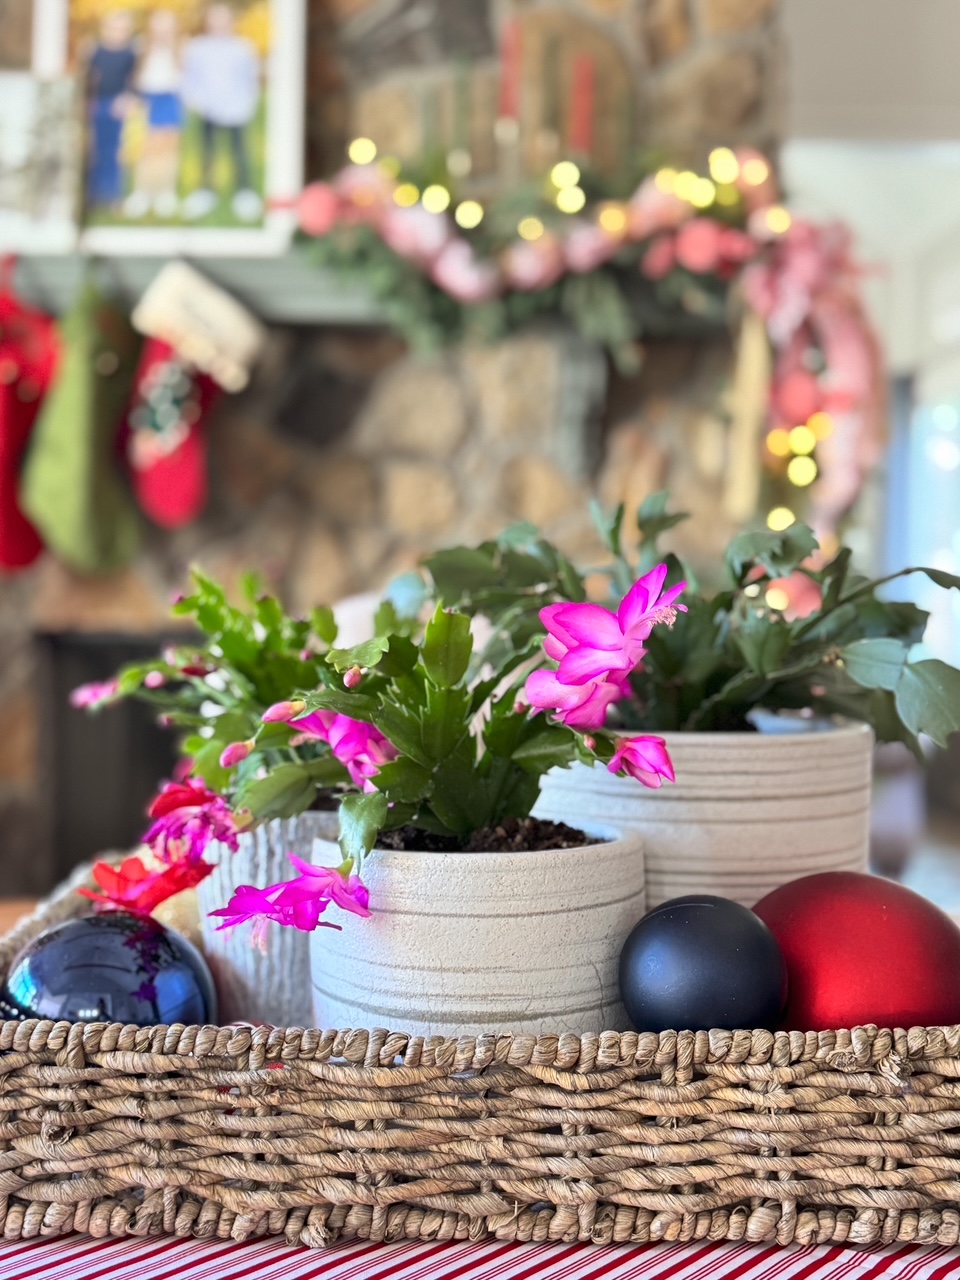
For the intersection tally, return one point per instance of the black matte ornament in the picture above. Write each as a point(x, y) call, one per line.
point(700, 962)
point(110, 967)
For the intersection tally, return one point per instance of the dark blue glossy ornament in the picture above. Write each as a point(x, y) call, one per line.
point(700, 962)
point(110, 967)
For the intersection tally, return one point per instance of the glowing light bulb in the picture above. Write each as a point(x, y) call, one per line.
point(459, 162)
point(780, 518)
point(613, 219)
point(724, 165)
point(684, 184)
point(755, 171)
point(801, 471)
point(666, 180)
point(565, 174)
point(802, 440)
point(702, 194)
point(752, 591)
point(435, 198)
point(530, 228)
point(362, 151)
point(778, 442)
point(469, 214)
point(406, 195)
point(777, 598)
point(571, 199)
point(777, 219)
point(821, 424)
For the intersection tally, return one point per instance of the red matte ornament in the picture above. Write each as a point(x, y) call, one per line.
point(860, 950)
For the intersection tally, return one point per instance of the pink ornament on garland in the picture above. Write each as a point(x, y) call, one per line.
point(318, 209)
point(460, 273)
point(533, 264)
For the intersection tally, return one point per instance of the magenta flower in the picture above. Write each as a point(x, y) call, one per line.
point(579, 706)
point(297, 903)
point(94, 695)
point(188, 817)
point(590, 642)
point(644, 758)
point(235, 752)
point(361, 748)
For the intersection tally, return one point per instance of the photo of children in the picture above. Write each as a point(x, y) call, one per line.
point(179, 98)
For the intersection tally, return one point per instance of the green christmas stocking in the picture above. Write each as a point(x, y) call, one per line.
point(72, 486)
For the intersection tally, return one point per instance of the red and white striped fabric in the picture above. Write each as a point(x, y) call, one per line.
point(82, 1258)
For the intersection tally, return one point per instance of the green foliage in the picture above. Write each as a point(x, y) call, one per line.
point(218, 685)
point(471, 754)
point(729, 653)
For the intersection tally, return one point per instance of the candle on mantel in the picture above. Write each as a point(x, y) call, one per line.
point(508, 107)
point(580, 129)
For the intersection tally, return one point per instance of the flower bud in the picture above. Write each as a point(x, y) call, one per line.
point(154, 680)
point(352, 677)
point(236, 751)
point(282, 712)
point(589, 742)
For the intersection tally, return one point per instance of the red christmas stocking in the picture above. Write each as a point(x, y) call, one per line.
point(165, 441)
point(28, 354)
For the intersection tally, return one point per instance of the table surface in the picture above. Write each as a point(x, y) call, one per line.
point(78, 1257)
point(162, 1258)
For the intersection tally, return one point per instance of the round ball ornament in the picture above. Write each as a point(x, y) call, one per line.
point(110, 967)
point(860, 949)
point(700, 962)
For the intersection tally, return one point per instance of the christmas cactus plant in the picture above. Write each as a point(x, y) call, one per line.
point(413, 733)
point(731, 653)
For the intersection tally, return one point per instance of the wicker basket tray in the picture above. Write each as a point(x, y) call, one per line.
point(319, 1136)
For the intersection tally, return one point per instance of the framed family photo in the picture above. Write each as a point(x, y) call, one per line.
point(182, 121)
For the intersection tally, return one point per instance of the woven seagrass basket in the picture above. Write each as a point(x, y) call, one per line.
point(319, 1136)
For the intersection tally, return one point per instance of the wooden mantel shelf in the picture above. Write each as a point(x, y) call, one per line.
point(285, 290)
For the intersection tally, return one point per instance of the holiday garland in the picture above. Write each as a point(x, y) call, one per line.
point(683, 245)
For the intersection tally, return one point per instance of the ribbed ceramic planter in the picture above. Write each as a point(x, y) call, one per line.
point(253, 986)
point(747, 813)
point(466, 943)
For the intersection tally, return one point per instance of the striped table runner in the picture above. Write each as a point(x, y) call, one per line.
point(82, 1258)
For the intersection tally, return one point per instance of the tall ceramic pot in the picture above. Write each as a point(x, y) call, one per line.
point(464, 943)
point(254, 986)
point(747, 813)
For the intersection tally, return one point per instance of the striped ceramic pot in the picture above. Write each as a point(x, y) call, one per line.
point(747, 813)
point(465, 943)
point(254, 986)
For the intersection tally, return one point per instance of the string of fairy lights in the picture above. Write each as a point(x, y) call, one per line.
point(568, 195)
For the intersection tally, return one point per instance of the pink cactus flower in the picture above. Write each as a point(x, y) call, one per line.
point(361, 748)
point(235, 752)
point(187, 818)
point(578, 706)
point(591, 642)
point(297, 903)
point(644, 758)
point(94, 695)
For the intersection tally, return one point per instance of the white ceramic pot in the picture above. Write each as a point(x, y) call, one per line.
point(464, 943)
point(747, 813)
point(253, 986)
